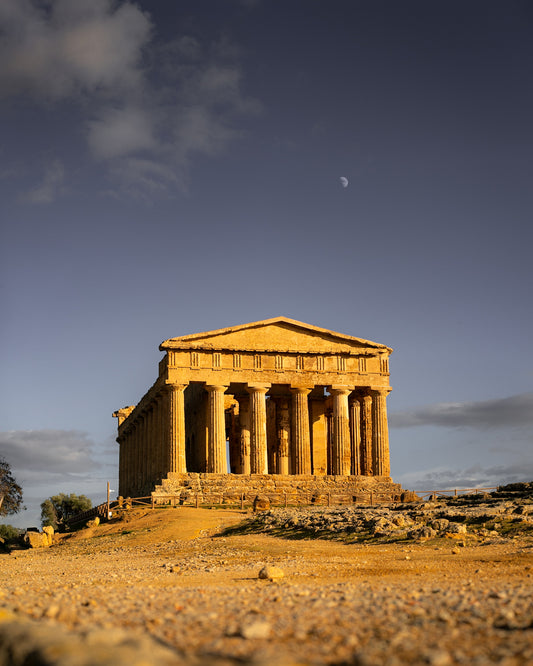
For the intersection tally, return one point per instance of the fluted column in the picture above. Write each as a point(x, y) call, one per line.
point(341, 457)
point(124, 487)
point(355, 435)
point(157, 439)
point(380, 433)
point(121, 462)
point(136, 457)
point(283, 434)
point(176, 428)
point(244, 435)
point(145, 460)
point(216, 431)
point(301, 440)
point(258, 429)
point(367, 466)
point(164, 433)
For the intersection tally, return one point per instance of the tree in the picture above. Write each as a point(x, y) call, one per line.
point(9, 533)
point(56, 510)
point(10, 491)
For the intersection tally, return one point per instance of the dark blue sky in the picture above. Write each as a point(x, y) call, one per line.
point(173, 167)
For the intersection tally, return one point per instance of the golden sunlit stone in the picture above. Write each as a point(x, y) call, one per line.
point(271, 404)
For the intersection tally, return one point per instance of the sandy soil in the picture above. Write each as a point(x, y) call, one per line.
point(175, 576)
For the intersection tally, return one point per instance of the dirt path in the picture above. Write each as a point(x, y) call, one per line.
point(171, 576)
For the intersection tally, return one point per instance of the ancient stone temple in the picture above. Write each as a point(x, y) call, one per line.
point(274, 401)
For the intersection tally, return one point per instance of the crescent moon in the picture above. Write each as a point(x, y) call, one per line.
point(344, 181)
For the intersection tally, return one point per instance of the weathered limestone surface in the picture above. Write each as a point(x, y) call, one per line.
point(275, 398)
point(277, 488)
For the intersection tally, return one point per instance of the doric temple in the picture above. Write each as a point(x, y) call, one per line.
point(274, 397)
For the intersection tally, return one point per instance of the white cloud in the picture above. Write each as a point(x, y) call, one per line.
point(56, 49)
point(46, 462)
point(50, 186)
point(514, 411)
point(142, 103)
point(48, 452)
point(120, 132)
point(475, 476)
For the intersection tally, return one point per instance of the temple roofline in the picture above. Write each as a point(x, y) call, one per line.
point(179, 342)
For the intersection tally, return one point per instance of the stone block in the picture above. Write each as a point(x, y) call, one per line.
point(36, 540)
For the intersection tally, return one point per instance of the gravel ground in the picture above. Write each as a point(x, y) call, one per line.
point(158, 592)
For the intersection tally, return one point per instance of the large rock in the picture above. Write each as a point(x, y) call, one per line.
point(94, 522)
point(36, 539)
point(261, 503)
point(48, 530)
point(271, 573)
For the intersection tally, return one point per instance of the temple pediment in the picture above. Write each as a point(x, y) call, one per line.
point(274, 335)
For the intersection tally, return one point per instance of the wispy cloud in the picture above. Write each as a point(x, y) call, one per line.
point(50, 186)
point(56, 50)
point(475, 476)
point(514, 411)
point(147, 108)
point(46, 462)
point(45, 453)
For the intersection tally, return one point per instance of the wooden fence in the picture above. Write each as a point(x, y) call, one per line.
point(106, 510)
point(434, 494)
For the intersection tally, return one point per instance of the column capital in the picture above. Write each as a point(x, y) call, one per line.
point(341, 389)
point(381, 390)
point(258, 388)
point(178, 386)
point(217, 387)
point(301, 390)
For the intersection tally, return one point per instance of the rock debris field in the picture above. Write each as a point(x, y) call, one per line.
point(443, 582)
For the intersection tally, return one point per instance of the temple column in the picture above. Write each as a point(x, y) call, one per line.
point(244, 434)
point(341, 456)
point(157, 440)
point(164, 432)
point(176, 428)
point(145, 461)
point(258, 429)
point(124, 488)
point(149, 445)
point(380, 433)
point(301, 440)
point(135, 457)
point(216, 430)
point(129, 463)
point(367, 466)
point(235, 442)
point(355, 435)
point(283, 433)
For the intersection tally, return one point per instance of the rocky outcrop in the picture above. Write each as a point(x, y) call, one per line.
point(482, 516)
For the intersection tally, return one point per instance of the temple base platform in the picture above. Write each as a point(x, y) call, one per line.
point(281, 490)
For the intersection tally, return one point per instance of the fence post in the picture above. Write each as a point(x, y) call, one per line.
point(329, 499)
point(285, 496)
point(242, 501)
point(371, 497)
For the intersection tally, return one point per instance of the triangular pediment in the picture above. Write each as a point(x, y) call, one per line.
point(276, 335)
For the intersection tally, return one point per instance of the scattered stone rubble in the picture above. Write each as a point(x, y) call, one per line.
point(494, 515)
